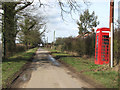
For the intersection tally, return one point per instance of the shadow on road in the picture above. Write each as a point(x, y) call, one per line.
point(61, 56)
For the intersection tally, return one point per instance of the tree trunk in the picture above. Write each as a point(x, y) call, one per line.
point(9, 27)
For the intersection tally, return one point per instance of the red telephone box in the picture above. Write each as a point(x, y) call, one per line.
point(102, 47)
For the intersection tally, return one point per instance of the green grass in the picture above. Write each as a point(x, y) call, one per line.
point(52, 50)
point(60, 54)
point(13, 64)
point(108, 78)
point(80, 64)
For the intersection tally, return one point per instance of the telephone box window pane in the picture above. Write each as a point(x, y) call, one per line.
point(103, 52)
point(107, 46)
point(103, 46)
point(106, 39)
point(96, 59)
point(97, 45)
point(97, 40)
point(105, 36)
point(103, 56)
point(103, 59)
point(97, 36)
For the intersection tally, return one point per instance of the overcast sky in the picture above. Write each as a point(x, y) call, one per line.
point(69, 27)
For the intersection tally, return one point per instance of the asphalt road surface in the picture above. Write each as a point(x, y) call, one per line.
point(48, 75)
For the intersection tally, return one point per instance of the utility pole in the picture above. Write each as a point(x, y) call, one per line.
point(111, 26)
point(54, 39)
point(54, 36)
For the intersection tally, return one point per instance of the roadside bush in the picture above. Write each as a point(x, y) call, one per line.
point(83, 46)
point(80, 46)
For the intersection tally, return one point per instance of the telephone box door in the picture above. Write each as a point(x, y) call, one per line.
point(105, 48)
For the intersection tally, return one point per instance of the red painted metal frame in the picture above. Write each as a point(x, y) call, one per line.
point(102, 46)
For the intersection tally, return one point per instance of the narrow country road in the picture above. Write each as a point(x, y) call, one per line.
point(48, 75)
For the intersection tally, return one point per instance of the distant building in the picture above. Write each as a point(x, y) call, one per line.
point(119, 14)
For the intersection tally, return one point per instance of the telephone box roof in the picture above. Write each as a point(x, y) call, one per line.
point(103, 29)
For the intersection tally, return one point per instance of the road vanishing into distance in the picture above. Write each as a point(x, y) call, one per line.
point(48, 73)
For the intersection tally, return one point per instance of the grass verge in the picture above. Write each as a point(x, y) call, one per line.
point(100, 73)
point(13, 64)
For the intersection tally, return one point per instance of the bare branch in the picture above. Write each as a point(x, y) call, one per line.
point(31, 26)
point(73, 6)
point(21, 8)
point(43, 30)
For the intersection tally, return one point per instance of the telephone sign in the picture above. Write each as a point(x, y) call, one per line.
point(102, 47)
